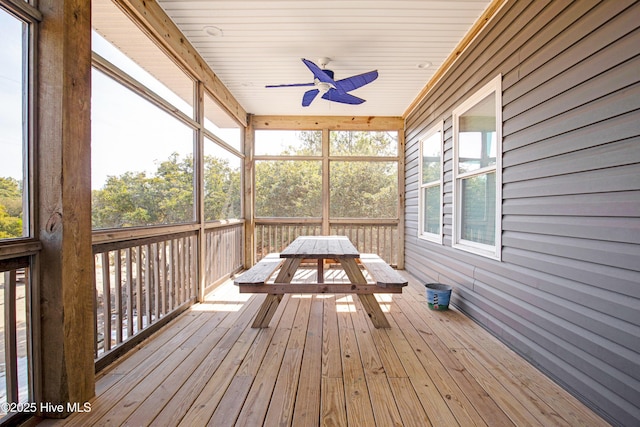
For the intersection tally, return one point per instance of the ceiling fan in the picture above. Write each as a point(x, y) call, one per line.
point(331, 90)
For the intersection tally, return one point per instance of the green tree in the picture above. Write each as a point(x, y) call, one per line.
point(358, 189)
point(167, 196)
point(10, 226)
point(173, 190)
point(284, 188)
point(364, 189)
point(222, 189)
point(288, 188)
point(135, 199)
point(363, 143)
point(10, 208)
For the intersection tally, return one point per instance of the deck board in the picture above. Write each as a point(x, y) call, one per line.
point(321, 362)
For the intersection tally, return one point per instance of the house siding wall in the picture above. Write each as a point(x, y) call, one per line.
point(566, 294)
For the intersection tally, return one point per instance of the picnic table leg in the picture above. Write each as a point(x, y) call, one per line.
point(270, 304)
point(321, 270)
point(267, 310)
point(372, 307)
point(369, 301)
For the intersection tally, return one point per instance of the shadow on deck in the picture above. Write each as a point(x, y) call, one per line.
point(321, 362)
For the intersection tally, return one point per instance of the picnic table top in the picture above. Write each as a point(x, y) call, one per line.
point(320, 247)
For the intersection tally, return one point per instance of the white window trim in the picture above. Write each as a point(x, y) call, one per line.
point(432, 237)
point(490, 251)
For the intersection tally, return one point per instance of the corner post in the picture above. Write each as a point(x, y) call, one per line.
point(248, 179)
point(63, 165)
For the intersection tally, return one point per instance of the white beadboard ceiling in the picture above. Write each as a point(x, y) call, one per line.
point(261, 42)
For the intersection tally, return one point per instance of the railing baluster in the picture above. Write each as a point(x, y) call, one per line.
point(163, 276)
point(211, 268)
point(147, 284)
point(156, 280)
point(187, 269)
point(183, 270)
point(129, 291)
point(10, 337)
point(194, 268)
point(176, 273)
point(139, 309)
point(118, 294)
point(106, 301)
point(96, 348)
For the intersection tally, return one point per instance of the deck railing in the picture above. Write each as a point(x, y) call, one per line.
point(142, 281)
point(275, 236)
point(224, 253)
point(368, 236)
point(371, 237)
point(138, 282)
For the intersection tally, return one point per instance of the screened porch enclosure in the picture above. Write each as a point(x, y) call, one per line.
point(220, 189)
point(135, 188)
point(144, 277)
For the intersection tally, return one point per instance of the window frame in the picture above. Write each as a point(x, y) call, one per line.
point(334, 158)
point(30, 17)
point(422, 234)
point(490, 251)
point(327, 159)
point(138, 89)
point(23, 252)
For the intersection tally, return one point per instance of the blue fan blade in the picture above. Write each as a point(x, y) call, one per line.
point(345, 98)
point(292, 85)
point(354, 82)
point(309, 96)
point(318, 73)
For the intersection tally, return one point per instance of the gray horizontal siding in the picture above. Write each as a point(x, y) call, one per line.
point(566, 293)
point(609, 205)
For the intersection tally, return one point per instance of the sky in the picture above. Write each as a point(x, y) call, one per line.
point(10, 96)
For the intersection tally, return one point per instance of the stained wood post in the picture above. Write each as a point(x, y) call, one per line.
point(63, 165)
point(199, 205)
point(249, 188)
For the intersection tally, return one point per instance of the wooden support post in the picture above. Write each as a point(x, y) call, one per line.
point(199, 205)
point(64, 347)
point(248, 199)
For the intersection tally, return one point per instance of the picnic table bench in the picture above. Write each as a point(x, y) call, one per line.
point(258, 278)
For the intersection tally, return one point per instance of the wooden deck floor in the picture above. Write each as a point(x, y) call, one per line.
point(321, 362)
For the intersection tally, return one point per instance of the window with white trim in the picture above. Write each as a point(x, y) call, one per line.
point(430, 196)
point(477, 148)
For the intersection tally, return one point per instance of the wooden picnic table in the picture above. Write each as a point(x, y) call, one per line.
point(321, 248)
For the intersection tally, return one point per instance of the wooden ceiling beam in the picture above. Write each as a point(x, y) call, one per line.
point(327, 122)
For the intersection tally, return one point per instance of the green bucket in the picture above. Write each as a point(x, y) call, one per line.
point(438, 296)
